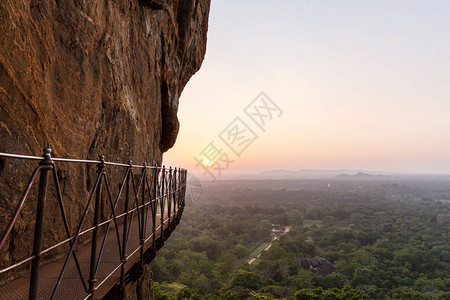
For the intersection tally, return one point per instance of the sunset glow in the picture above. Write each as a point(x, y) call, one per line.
point(361, 86)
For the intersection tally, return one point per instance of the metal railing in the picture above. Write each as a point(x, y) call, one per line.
point(151, 199)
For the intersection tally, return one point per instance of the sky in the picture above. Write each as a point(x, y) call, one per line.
point(347, 84)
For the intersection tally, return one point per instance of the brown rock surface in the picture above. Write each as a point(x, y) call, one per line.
point(316, 265)
point(87, 78)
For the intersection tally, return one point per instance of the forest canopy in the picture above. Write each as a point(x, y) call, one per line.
point(388, 240)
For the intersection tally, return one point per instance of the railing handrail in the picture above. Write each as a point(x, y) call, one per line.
point(86, 161)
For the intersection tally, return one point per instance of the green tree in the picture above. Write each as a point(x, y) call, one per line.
point(188, 294)
point(333, 280)
point(240, 251)
point(321, 294)
point(247, 280)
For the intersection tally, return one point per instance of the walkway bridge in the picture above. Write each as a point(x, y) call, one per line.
point(127, 214)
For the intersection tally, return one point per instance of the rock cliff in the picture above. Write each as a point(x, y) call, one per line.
point(90, 77)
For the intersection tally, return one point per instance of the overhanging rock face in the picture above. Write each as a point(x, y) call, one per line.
point(96, 76)
point(87, 78)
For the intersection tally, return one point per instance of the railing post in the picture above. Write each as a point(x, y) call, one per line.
point(125, 226)
point(169, 196)
point(177, 183)
point(180, 182)
point(175, 191)
point(180, 186)
point(47, 163)
point(184, 187)
point(155, 203)
point(161, 198)
point(98, 198)
point(143, 217)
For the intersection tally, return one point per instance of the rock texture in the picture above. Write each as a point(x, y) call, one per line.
point(90, 77)
point(317, 265)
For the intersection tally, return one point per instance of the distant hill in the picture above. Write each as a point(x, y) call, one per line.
point(362, 176)
point(323, 174)
point(338, 174)
point(359, 174)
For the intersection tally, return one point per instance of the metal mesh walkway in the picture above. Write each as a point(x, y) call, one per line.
point(142, 214)
point(71, 285)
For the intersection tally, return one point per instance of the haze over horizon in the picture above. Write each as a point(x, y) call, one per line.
point(321, 174)
point(361, 86)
